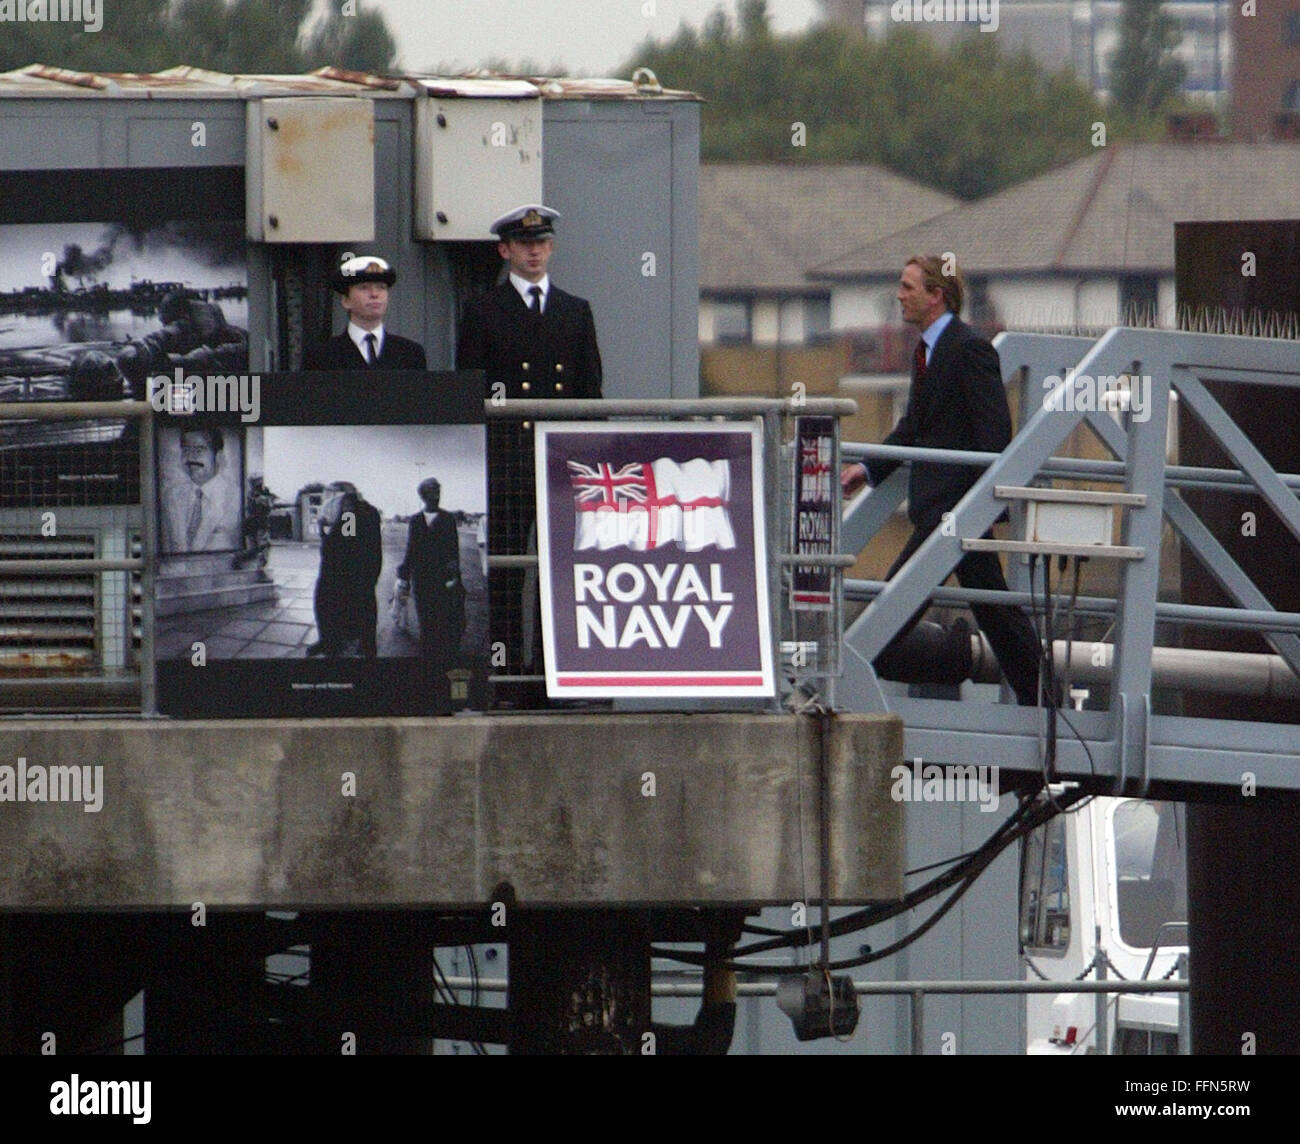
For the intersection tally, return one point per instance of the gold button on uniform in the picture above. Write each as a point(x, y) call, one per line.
point(524, 365)
point(525, 385)
point(559, 367)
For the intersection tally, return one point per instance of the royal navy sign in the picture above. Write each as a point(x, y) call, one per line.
point(651, 544)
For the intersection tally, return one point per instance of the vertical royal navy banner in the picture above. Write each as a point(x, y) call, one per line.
point(653, 560)
point(814, 507)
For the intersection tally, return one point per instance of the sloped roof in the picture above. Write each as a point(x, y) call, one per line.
point(1110, 211)
point(762, 225)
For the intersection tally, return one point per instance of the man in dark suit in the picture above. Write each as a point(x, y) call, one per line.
point(351, 554)
point(532, 340)
point(431, 567)
point(957, 401)
point(363, 285)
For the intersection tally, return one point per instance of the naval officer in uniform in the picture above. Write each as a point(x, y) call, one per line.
point(532, 340)
point(363, 286)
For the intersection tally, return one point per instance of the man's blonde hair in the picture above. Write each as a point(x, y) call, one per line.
point(934, 278)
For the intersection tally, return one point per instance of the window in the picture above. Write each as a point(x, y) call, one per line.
point(1139, 296)
point(816, 320)
point(1150, 871)
point(1045, 889)
point(732, 320)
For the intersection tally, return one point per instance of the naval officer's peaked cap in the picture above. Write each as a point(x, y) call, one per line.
point(530, 221)
point(366, 268)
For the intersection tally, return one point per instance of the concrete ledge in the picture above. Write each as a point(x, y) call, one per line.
point(439, 812)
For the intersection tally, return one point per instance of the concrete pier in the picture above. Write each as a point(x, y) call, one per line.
point(564, 809)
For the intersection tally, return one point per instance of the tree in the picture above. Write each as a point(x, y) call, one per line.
point(966, 119)
point(223, 35)
point(1144, 75)
point(360, 42)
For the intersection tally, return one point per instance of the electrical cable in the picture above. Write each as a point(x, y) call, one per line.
point(1028, 816)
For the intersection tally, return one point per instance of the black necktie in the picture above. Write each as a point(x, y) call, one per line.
point(371, 356)
point(918, 362)
point(536, 304)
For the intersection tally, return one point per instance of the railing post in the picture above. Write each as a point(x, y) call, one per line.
point(149, 559)
point(918, 1022)
point(776, 539)
point(1101, 1034)
point(1184, 1011)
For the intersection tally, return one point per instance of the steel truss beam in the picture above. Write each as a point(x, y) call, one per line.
point(1127, 746)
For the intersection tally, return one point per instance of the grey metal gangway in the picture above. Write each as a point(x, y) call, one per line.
point(1129, 744)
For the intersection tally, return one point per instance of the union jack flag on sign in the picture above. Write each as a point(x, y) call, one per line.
point(603, 486)
point(643, 505)
point(652, 557)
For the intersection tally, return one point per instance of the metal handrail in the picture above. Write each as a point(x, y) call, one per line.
point(770, 411)
point(915, 991)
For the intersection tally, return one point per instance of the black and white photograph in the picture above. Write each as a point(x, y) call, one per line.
point(89, 311)
point(201, 496)
point(334, 564)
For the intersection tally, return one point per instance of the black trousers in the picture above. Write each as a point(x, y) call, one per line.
point(1010, 634)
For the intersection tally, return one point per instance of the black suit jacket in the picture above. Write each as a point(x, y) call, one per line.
point(341, 352)
point(960, 404)
point(432, 556)
point(551, 354)
point(351, 559)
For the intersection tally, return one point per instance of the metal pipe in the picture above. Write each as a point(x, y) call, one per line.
point(1184, 669)
point(68, 567)
point(1242, 619)
point(72, 410)
point(678, 410)
point(883, 988)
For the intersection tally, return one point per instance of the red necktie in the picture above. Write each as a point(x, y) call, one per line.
point(918, 362)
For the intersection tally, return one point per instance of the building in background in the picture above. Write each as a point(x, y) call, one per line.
point(1081, 35)
point(1266, 78)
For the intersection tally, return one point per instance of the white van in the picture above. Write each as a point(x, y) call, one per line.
point(1106, 883)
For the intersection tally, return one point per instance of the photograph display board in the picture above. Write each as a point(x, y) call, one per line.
point(653, 550)
point(89, 311)
point(308, 564)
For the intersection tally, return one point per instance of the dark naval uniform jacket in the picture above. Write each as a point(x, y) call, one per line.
point(551, 354)
point(341, 352)
point(523, 355)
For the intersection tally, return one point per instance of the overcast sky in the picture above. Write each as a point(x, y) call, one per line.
point(590, 37)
